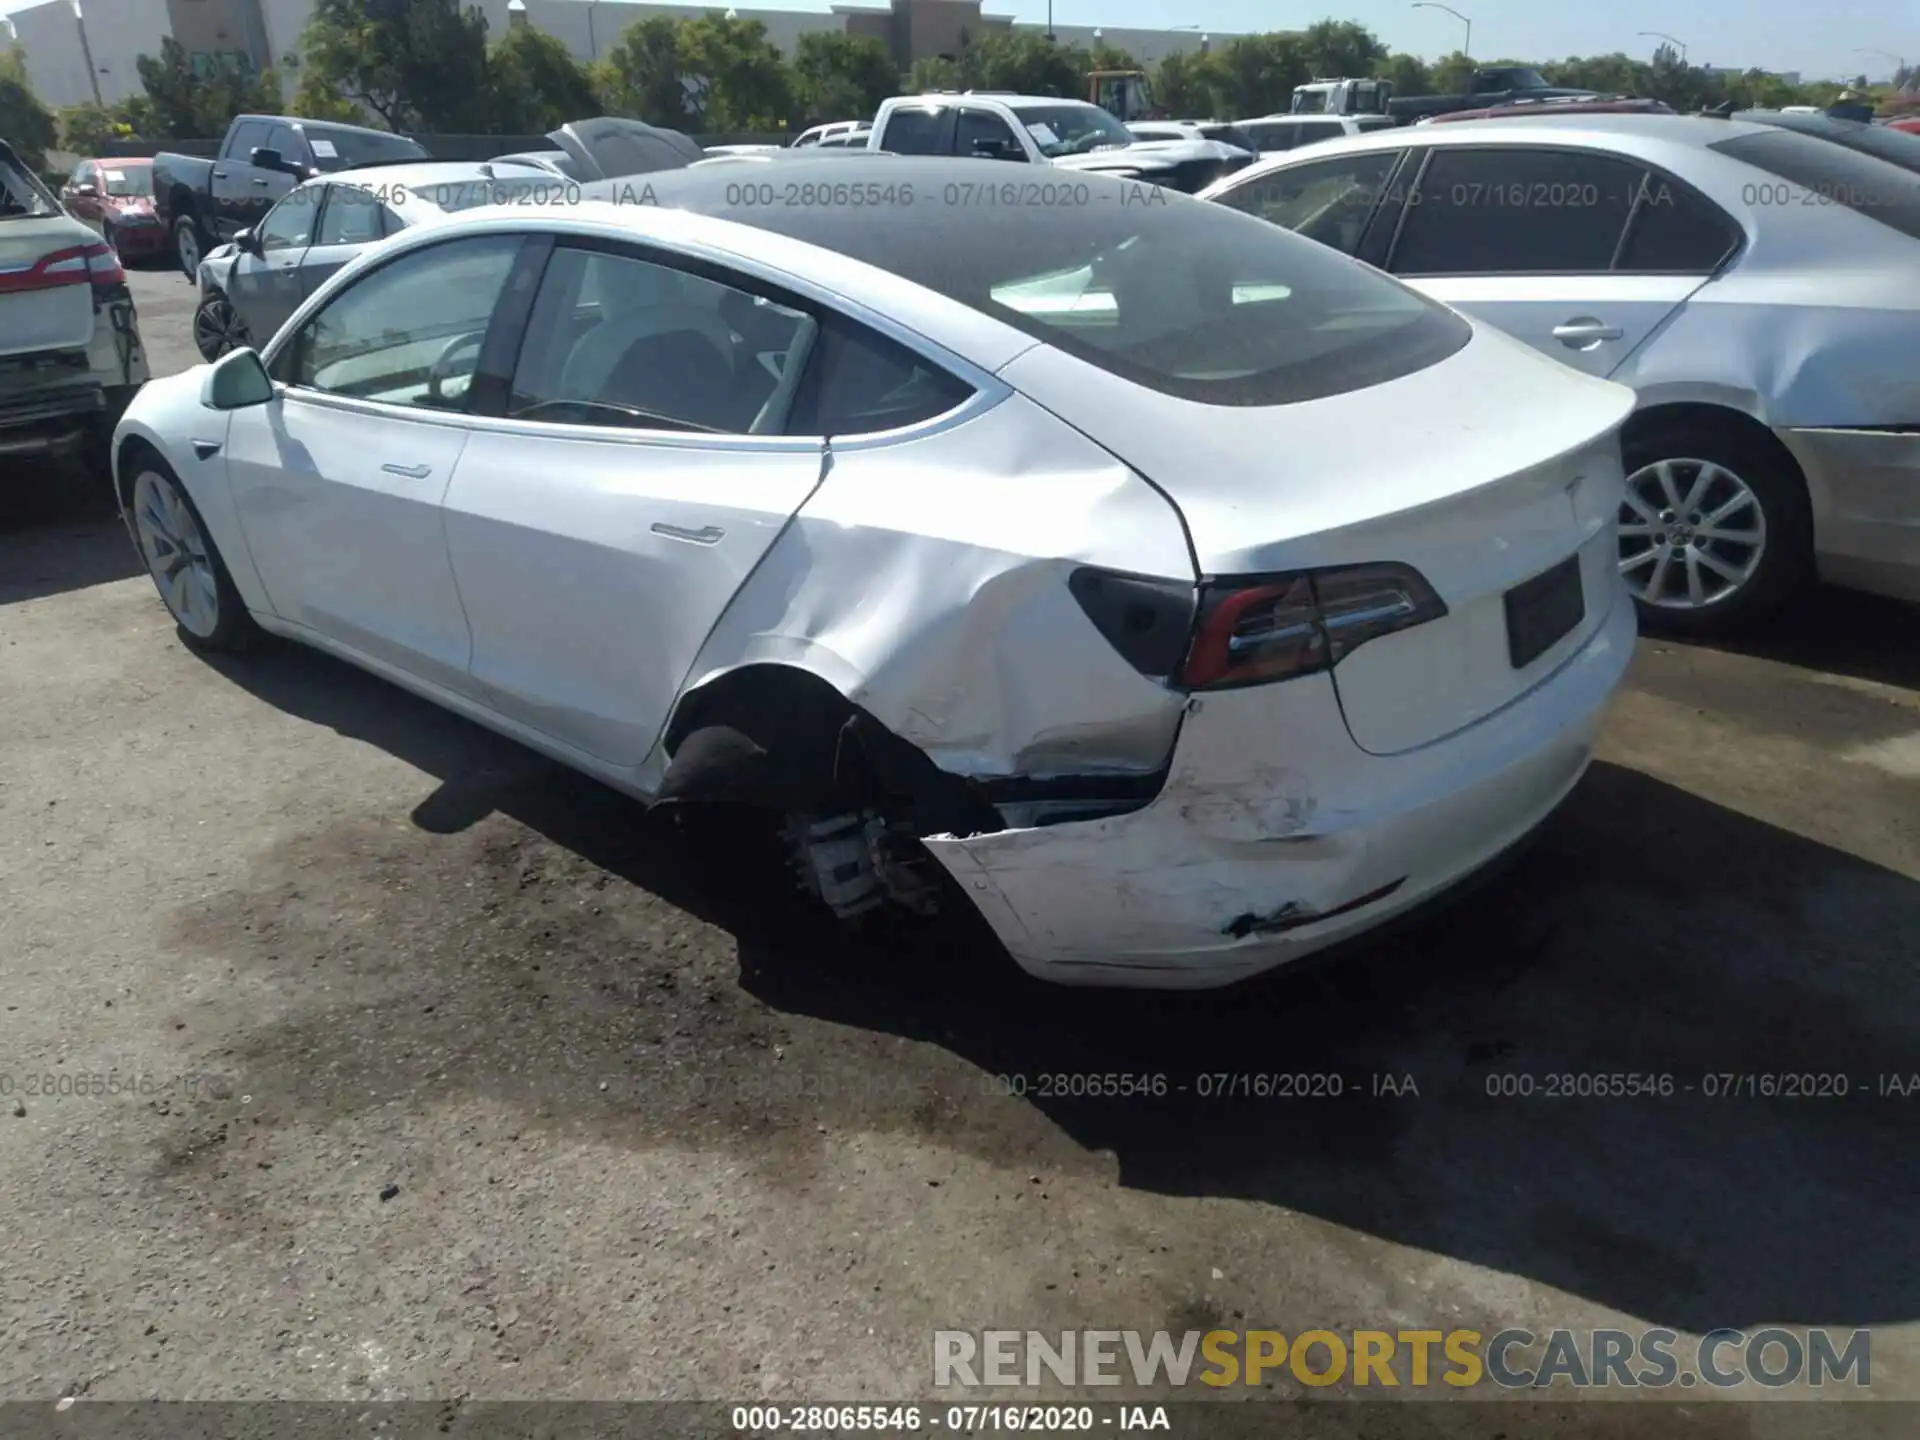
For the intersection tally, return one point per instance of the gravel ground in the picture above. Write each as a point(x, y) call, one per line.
point(452, 1076)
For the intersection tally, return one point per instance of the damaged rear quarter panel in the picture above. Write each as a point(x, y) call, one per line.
point(926, 579)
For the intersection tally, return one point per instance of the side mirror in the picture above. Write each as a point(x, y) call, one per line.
point(248, 241)
point(85, 191)
point(996, 150)
point(237, 381)
point(265, 157)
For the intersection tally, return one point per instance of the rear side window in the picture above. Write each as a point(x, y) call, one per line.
point(351, 217)
point(861, 383)
point(913, 132)
point(1833, 174)
point(1676, 232)
point(1272, 134)
point(1516, 211)
point(1330, 201)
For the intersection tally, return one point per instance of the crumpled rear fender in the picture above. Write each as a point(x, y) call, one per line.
point(926, 580)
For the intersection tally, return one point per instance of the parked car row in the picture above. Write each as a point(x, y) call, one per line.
point(1057, 560)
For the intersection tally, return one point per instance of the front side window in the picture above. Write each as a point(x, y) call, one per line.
point(1070, 129)
point(351, 217)
point(1330, 201)
point(1516, 211)
point(409, 332)
point(978, 131)
point(248, 137)
point(289, 225)
point(623, 342)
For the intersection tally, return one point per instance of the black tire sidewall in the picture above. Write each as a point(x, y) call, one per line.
point(198, 310)
point(187, 225)
point(1775, 482)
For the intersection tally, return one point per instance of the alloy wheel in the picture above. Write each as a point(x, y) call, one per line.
point(217, 327)
point(176, 553)
point(1692, 534)
point(187, 242)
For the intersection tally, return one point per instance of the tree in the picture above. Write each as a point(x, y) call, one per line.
point(642, 75)
point(27, 124)
point(416, 64)
point(1026, 61)
point(86, 129)
point(740, 82)
point(1256, 74)
point(535, 84)
point(841, 77)
point(1184, 84)
point(1339, 48)
point(316, 99)
point(180, 104)
point(1451, 74)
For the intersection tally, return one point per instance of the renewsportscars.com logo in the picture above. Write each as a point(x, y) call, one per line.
point(1514, 1359)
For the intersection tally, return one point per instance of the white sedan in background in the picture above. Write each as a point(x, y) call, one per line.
point(1759, 289)
point(1017, 555)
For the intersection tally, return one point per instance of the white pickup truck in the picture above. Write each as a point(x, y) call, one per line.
point(1041, 130)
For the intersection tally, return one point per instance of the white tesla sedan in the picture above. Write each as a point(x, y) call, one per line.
point(1757, 287)
point(1184, 595)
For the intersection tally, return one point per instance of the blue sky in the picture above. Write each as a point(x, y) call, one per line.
point(1817, 39)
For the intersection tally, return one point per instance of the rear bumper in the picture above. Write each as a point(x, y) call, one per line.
point(1866, 488)
point(1240, 865)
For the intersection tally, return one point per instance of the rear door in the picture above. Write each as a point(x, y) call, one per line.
point(633, 477)
point(1535, 240)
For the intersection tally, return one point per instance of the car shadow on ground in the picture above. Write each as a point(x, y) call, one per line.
point(59, 532)
point(1666, 951)
point(1839, 632)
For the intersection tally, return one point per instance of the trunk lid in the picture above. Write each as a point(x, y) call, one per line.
point(1482, 472)
point(46, 303)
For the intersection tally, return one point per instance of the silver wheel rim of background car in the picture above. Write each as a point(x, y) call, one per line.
point(1692, 533)
point(176, 553)
point(217, 328)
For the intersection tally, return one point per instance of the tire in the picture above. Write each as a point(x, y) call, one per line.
point(186, 566)
point(217, 327)
point(189, 246)
point(1720, 519)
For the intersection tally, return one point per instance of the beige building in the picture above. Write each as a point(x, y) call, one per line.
point(80, 50)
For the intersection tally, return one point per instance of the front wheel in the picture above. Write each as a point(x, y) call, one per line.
point(217, 327)
point(189, 244)
point(1715, 530)
point(185, 564)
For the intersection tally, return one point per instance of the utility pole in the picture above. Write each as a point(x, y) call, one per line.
point(86, 53)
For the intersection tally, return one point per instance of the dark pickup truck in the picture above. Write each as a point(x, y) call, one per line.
point(1495, 85)
point(204, 203)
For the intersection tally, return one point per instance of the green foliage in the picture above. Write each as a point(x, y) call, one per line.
point(536, 85)
point(739, 80)
point(413, 64)
point(317, 99)
point(25, 123)
point(182, 105)
point(841, 77)
point(1340, 48)
point(86, 129)
point(642, 75)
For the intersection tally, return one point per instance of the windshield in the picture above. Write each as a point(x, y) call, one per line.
point(22, 197)
point(344, 149)
point(1842, 175)
point(1878, 141)
point(1069, 129)
point(135, 180)
point(1175, 294)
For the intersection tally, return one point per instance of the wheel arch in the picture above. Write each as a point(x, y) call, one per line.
point(1739, 422)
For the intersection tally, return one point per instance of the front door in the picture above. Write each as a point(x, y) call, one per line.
point(1536, 243)
point(339, 480)
point(264, 288)
point(635, 477)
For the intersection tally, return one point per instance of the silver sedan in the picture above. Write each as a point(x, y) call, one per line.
point(1754, 285)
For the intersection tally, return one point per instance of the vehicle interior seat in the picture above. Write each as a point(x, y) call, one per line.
point(630, 313)
point(678, 374)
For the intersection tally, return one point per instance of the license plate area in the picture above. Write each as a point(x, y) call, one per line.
point(1541, 611)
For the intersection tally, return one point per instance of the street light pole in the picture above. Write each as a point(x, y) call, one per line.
point(1430, 5)
point(1679, 45)
point(1900, 61)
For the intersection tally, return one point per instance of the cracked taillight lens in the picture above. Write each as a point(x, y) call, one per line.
point(1271, 628)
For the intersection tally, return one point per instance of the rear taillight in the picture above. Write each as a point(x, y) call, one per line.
point(1257, 631)
point(94, 264)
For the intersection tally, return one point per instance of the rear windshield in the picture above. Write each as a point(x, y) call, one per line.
point(21, 195)
point(1876, 140)
point(1180, 295)
point(344, 149)
point(1836, 175)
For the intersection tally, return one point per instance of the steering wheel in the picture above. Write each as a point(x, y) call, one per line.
point(442, 370)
